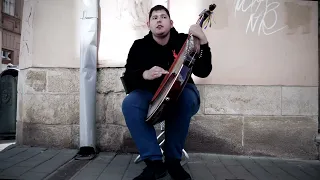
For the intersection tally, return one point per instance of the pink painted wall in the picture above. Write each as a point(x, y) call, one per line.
point(239, 56)
point(282, 48)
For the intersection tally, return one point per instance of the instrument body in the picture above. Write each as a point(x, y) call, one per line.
point(178, 76)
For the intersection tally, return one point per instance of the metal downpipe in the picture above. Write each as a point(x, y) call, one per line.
point(88, 72)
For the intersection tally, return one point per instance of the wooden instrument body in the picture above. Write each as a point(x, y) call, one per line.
point(173, 83)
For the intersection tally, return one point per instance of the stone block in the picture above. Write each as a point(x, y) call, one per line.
point(32, 81)
point(108, 80)
point(45, 135)
point(108, 138)
point(63, 80)
point(49, 108)
point(202, 99)
point(247, 100)
point(111, 137)
point(291, 137)
point(300, 101)
point(215, 134)
point(101, 109)
point(109, 110)
point(75, 135)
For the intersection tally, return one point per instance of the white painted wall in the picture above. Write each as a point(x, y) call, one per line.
point(51, 34)
point(51, 37)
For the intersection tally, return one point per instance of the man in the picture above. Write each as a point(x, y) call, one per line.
point(149, 59)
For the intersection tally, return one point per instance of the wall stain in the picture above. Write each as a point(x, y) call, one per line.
point(298, 16)
point(243, 100)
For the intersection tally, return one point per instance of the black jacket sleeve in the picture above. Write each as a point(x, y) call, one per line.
point(202, 66)
point(133, 69)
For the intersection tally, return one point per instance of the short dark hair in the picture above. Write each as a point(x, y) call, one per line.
point(158, 8)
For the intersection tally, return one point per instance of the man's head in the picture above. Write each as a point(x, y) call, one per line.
point(159, 21)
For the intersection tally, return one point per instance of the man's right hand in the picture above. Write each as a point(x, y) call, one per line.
point(153, 73)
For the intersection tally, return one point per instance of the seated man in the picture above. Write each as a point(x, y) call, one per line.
point(148, 60)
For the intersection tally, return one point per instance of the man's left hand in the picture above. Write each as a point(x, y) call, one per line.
point(196, 31)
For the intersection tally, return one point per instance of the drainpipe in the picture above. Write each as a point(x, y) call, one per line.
point(88, 72)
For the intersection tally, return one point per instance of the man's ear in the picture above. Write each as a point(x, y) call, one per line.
point(148, 24)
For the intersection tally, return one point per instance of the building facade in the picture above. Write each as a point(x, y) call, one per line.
point(260, 99)
point(11, 15)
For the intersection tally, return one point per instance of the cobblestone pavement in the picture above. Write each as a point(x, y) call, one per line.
point(55, 164)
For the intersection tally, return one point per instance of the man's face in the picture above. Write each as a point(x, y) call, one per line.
point(160, 23)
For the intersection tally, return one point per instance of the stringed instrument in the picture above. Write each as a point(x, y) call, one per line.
point(179, 73)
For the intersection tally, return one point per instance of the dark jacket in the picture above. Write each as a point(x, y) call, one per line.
point(146, 53)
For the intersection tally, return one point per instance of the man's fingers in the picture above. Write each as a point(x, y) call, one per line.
point(158, 74)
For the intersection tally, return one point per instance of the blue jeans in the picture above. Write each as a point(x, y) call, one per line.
point(135, 108)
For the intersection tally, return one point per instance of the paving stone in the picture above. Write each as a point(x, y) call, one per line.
point(104, 158)
point(255, 169)
point(55, 162)
point(30, 152)
point(309, 170)
point(68, 170)
point(15, 171)
point(122, 167)
point(93, 169)
point(17, 155)
point(219, 171)
point(279, 173)
point(34, 176)
point(11, 152)
point(263, 161)
point(196, 157)
point(116, 169)
point(86, 177)
point(229, 160)
point(199, 171)
point(241, 173)
point(133, 171)
point(210, 158)
point(4, 165)
point(40, 158)
point(8, 178)
point(293, 170)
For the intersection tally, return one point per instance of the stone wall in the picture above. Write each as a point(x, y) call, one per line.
point(248, 120)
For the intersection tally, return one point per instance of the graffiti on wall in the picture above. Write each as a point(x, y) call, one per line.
point(259, 11)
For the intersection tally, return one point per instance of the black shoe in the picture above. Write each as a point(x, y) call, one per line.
point(154, 170)
point(175, 170)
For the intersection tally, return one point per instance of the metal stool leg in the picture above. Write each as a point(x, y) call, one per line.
point(185, 161)
point(162, 125)
point(184, 152)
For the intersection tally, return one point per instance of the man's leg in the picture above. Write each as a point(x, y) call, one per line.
point(177, 127)
point(135, 108)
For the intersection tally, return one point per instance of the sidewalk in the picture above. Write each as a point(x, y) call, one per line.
point(54, 164)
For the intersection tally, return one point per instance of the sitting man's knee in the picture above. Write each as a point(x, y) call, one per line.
point(136, 99)
point(190, 98)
